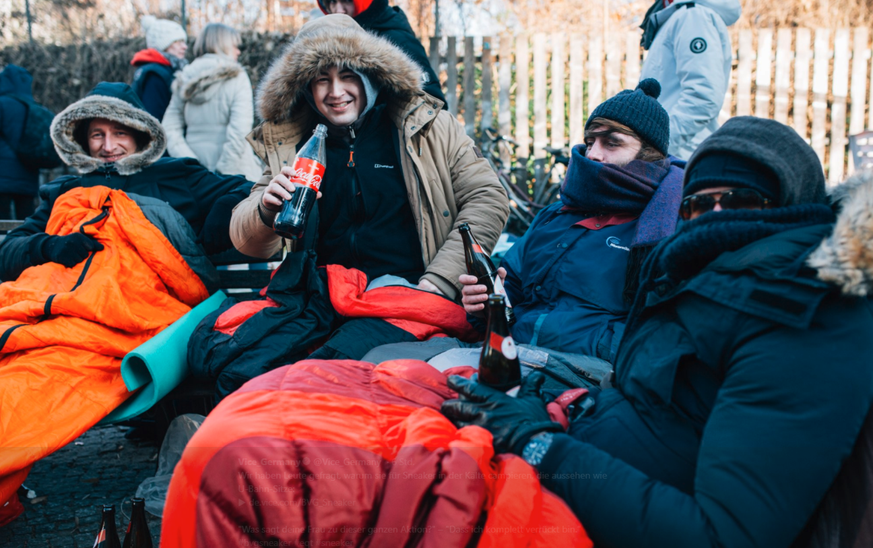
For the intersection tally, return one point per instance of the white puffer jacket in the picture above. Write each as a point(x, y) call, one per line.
point(210, 114)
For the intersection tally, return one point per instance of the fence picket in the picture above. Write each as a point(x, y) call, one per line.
point(820, 66)
point(540, 63)
point(727, 105)
point(837, 152)
point(434, 56)
point(801, 82)
point(469, 87)
point(783, 75)
point(487, 106)
point(558, 69)
point(522, 96)
point(577, 75)
point(504, 83)
point(763, 73)
point(744, 74)
point(860, 54)
point(632, 60)
point(595, 74)
point(452, 75)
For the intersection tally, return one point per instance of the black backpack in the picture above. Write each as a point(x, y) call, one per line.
point(35, 148)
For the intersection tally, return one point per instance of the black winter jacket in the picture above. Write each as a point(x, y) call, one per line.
point(15, 177)
point(739, 393)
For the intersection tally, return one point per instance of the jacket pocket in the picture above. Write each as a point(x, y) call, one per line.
point(648, 370)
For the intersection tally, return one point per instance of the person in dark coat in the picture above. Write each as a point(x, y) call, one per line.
point(112, 141)
point(389, 22)
point(156, 66)
point(18, 183)
point(571, 277)
point(744, 375)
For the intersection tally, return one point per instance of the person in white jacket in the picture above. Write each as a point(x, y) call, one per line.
point(212, 108)
point(690, 55)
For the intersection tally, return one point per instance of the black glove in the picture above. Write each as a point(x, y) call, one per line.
point(512, 421)
point(215, 234)
point(69, 250)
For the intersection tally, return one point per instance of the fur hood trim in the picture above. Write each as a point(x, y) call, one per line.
point(194, 81)
point(334, 40)
point(845, 258)
point(101, 106)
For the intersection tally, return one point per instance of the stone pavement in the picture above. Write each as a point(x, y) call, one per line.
point(71, 485)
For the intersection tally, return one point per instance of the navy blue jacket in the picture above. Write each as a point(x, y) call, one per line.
point(739, 393)
point(152, 82)
point(15, 178)
point(565, 283)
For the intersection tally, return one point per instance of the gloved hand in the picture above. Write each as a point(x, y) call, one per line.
point(512, 421)
point(215, 234)
point(69, 250)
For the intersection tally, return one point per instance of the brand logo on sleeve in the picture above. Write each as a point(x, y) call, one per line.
point(615, 243)
point(698, 45)
point(383, 166)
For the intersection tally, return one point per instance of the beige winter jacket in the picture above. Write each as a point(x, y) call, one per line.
point(210, 114)
point(447, 180)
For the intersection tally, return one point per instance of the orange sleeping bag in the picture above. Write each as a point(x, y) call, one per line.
point(64, 331)
point(347, 453)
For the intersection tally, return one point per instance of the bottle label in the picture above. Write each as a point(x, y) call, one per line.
point(499, 289)
point(101, 538)
point(477, 248)
point(307, 173)
point(505, 345)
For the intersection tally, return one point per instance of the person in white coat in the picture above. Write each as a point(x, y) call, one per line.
point(212, 108)
point(690, 55)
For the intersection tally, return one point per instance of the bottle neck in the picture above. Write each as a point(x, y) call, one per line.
point(497, 320)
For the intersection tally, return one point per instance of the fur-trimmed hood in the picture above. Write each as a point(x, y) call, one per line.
point(845, 258)
point(117, 102)
point(334, 40)
point(196, 82)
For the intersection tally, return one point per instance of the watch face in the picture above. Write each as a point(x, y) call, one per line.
point(536, 448)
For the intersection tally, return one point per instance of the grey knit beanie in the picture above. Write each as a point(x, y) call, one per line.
point(639, 110)
point(774, 145)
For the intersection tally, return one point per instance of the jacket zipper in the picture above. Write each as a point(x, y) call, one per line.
point(355, 192)
point(352, 147)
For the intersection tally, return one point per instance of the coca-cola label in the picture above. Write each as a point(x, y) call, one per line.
point(505, 345)
point(308, 173)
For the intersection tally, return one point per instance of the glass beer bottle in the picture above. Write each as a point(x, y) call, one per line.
point(138, 535)
point(479, 264)
point(107, 536)
point(308, 173)
point(499, 367)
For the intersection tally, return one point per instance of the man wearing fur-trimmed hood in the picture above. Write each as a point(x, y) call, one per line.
point(112, 141)
point(400, 176)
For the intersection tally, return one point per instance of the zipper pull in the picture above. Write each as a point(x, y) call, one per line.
point(351, 157)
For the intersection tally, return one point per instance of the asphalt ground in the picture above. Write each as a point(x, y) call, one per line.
point(72, 485)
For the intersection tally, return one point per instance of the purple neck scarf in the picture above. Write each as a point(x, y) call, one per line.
point(652, 189)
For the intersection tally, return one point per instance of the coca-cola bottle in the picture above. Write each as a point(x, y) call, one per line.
point(498, 364)
point(479, 264)
point(137, 535)
point(107, 536)
point(308, 172)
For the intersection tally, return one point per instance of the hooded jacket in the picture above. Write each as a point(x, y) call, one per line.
point(15, 177)
point(210, 114)
point(447, 181)
point(741, 389)
point(187, 186)
point(691, 58)
point(390, 22)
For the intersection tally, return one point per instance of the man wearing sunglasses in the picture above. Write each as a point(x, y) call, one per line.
point(744, 374)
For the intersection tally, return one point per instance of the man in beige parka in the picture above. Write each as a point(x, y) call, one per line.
point(400, 176)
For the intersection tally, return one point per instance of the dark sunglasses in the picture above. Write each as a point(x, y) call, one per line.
point(739, 198)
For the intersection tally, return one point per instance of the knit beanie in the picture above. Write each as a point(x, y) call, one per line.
point(160, 33)
point(728, 169)
point(639, 110)
point(746, 144)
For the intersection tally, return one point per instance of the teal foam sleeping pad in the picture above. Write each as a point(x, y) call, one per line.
point(158, 365)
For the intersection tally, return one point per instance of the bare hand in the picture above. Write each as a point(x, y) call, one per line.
point(279, 190)
point(475, 294)
point(425, 285)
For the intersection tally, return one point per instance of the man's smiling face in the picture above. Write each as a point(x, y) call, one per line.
point(339, 95)
point(110, 141)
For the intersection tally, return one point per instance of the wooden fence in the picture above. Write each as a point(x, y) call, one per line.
point(539, 89)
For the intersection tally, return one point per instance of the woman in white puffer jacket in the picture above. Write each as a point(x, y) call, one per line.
point(212, 109)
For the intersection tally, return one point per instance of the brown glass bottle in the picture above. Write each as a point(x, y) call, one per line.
point(138, 535)
point(498, 364)
point(308, 172)
point(107, 536)
point(479, 264)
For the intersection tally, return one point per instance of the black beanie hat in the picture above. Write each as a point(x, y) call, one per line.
point(727, 169)
point(768, 143)
point(639, 110)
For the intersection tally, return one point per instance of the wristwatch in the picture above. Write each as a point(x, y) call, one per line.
point(536, 448)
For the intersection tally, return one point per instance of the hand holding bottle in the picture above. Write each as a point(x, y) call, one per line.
point(474, 294)
point(279, 190)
